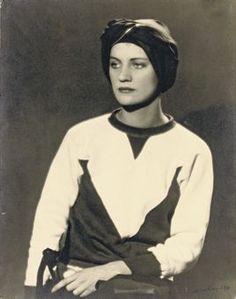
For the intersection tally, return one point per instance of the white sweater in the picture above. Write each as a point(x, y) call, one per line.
point(129, 188)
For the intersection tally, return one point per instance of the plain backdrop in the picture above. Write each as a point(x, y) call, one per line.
point(51, 78)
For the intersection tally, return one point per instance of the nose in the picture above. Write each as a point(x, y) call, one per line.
point(125, 74)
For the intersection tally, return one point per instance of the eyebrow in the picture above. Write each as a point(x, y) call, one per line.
point(132, 59)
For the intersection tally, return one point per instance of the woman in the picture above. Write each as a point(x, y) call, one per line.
point(131, 189)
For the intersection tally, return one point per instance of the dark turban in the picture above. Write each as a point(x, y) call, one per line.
point(155, 39)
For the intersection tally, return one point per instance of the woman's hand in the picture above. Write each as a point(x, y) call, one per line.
point(83, 282)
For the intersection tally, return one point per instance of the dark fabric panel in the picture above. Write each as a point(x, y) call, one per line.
point(93, 238)
point(91, 233)
point(145, 264)
point(137, 144)
point(157, 222)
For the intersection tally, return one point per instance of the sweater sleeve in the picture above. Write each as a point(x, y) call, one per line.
point(59, 193)
point(190, 220)
point(188, 225)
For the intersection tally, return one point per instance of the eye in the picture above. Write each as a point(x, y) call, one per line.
point(139, 65)
point(114, 64)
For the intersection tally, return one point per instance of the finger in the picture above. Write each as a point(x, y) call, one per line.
point(63, 283)
point(60, 285)
point(68, 273)
point(88, 292)
point(80, 289)
point(78, 282)
point(75, 284)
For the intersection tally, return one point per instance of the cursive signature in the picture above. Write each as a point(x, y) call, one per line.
point(210, 289)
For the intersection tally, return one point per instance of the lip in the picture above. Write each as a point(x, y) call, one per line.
point(126, 89)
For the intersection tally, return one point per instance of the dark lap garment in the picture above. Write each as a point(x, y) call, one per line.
point(117, 288)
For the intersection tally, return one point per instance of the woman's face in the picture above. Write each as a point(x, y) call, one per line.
point(132, 75)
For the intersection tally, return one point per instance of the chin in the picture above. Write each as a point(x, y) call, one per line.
point(127, 100)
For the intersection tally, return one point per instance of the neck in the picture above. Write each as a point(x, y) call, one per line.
point(146, 117)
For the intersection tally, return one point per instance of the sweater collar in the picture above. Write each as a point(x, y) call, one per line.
point(140, 132)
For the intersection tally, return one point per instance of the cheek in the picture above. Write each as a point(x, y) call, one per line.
point(149, 82)
point(153, 77)
point(113, 76)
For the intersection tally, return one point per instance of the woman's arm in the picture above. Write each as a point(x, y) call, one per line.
point(188, 225)
point(59, 193)
point(84, 281)
point(190, 220)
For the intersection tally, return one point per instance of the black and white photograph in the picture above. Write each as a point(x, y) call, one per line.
point(117, 136)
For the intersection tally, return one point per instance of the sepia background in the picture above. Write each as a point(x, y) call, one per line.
point(51, 78)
